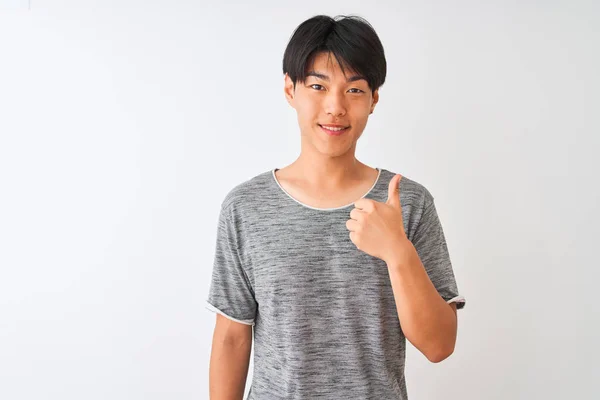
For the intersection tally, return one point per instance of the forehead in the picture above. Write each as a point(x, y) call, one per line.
point(327, 64)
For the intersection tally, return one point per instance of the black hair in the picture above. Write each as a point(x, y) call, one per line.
point(351, 39)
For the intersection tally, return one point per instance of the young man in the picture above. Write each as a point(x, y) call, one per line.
point(333, 262)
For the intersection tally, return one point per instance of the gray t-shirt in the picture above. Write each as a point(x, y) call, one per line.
point(324, 315)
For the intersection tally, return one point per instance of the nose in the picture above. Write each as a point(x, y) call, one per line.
point(335, 104)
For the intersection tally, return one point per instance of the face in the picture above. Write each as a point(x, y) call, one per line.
point(327, 97)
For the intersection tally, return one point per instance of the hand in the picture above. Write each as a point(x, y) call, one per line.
point(378, 228)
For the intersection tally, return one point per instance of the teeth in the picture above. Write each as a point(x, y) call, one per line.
point(332, 128)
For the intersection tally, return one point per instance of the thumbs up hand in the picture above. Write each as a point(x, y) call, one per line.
point(377, 228)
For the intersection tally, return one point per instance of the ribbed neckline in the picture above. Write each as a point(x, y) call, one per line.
point(325, 209)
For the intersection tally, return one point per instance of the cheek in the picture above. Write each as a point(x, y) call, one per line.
point(360, 112)
point(308, 111)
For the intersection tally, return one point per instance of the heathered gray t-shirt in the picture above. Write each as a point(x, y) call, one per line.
point(324, 314)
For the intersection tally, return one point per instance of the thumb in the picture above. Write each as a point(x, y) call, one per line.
point(394, 191)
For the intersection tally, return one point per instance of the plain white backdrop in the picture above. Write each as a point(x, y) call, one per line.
point(123, 124)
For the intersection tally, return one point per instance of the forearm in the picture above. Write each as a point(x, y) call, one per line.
point(427, 321)
point(228, 369)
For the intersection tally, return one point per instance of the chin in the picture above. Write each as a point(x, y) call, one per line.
point(333, 150)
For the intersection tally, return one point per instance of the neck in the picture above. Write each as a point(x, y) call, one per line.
point(319, 170)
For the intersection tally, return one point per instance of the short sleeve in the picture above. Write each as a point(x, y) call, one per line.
point(430, 243)
point(230, 293)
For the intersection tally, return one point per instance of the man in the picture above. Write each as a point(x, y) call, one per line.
point(334, 263)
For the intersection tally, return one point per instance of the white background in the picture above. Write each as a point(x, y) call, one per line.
point(124, 123)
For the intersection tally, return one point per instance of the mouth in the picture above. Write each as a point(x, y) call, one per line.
point(334, 131)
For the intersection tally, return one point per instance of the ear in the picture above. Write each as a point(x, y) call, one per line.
point(288, 90)
point(375, 100)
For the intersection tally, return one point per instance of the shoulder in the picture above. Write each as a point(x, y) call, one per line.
point(246, 194)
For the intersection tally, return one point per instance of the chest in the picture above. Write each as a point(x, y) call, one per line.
point(313, 263)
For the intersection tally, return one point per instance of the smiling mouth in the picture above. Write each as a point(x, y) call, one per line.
point(334, 131)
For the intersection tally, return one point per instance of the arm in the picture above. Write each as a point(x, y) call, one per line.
point(428, 322)
point(420, 269)
point(229, 360)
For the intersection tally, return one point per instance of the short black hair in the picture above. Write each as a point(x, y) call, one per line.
point(351, 39)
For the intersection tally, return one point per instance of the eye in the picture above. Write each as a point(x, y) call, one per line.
point(320, 86)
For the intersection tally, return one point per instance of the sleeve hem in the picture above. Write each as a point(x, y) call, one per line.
point(459, 300)
point(216, 310)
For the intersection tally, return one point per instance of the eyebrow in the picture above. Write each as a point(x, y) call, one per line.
point(324, 77)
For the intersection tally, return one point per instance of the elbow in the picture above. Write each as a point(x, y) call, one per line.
point(440, 355)
point(434, 352)
point(443, 347)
